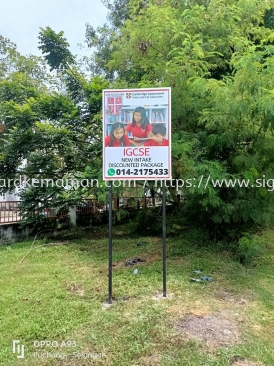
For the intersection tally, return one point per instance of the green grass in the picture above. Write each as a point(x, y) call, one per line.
point(57, 294)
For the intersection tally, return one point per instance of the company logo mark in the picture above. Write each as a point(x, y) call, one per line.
point(111, 172)
point(114, 105)
point(18, 349)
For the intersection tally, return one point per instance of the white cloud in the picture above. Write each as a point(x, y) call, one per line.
point(21, 20)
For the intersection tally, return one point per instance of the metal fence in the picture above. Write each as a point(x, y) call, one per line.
point(89, 206)
point(93, 206)
point(9, 212)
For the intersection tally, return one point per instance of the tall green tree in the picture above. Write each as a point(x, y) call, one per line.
point(50, 136)
point(218, 60)
point(12, 61)
point(102, 39)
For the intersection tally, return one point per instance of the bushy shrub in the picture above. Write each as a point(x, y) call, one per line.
point(147, 222)
point(248, 250)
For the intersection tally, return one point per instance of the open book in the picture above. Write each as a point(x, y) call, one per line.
point(141, 138)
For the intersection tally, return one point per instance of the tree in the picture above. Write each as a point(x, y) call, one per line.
point(12, 61)
point(102, 38)
point(7, 50)
point(50, 136)
point(218, 59)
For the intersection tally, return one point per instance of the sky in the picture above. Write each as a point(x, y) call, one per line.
point(20, 21)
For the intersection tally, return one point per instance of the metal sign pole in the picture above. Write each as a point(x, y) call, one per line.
point(164, 238)
point(110, 244)
point(121, 110)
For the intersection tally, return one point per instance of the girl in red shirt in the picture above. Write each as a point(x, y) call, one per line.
point(139, 127)
point(117, 137)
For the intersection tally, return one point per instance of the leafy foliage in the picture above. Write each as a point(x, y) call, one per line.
point(50, 137)
point(55, 48)
point(147, 222)
point(218, 58)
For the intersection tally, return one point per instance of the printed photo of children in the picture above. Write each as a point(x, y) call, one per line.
point(117, 137)
point(158, 136)
point(139, 127)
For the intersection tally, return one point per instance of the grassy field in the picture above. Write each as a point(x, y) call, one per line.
point(58, 294)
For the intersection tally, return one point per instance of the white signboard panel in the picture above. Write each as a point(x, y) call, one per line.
point(137, 134)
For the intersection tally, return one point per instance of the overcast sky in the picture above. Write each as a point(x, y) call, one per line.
point(21, 19)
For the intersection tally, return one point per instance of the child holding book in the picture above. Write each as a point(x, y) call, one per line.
point(139, 127)
point(158, 136)
point(117, 137)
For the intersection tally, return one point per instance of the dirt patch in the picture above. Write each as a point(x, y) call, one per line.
point(237, 299)
point(119, 233)
point(159, 296)
point(156, 240)
point(75, 289)
point(210, 329)
point(151, 360)
point(243, 362)
point(177, 310)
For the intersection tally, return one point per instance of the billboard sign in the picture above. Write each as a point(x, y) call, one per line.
point(137, 134)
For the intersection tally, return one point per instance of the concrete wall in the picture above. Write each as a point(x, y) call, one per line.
point(9, 233)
